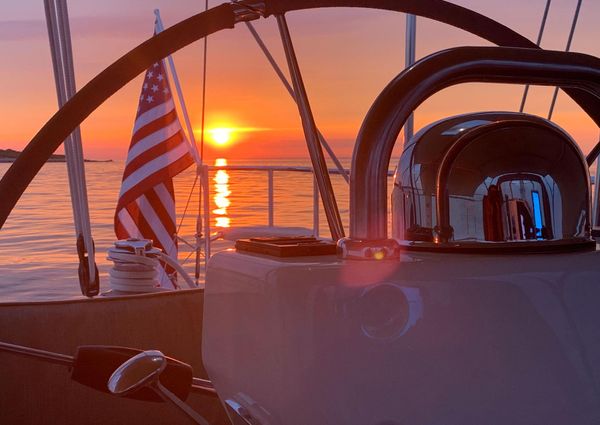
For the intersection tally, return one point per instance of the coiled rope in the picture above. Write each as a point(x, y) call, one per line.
point(137, 267)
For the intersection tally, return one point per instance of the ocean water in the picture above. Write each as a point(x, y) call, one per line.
point(38, 259)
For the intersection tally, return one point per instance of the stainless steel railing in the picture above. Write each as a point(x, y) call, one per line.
point(270, 170)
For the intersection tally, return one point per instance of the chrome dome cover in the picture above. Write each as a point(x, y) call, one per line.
point(525, 184)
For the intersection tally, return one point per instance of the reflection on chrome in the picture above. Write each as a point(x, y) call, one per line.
point(221, 197)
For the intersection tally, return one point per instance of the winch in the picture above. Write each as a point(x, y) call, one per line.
point(138, 269)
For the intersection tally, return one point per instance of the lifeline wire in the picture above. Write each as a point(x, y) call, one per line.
point(568, 48)
point(538, 42)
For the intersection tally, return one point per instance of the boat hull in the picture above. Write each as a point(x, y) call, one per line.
point(35, 392)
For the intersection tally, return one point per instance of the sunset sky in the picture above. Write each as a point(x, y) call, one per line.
point(347, 57)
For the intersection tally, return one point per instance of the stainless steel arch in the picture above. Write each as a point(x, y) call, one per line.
point(368, 188)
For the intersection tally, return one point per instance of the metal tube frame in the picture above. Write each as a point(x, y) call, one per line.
point(290, 90)
point(410, 52)
point(538, 42)
point(169, 397)
point(205, 187)
point(199, 385)
point(272, 169)
point(34, 353)
point(596, 207)
point(270, 197)
point(199, 227)
point(316, 223)
point(368, 188)
point(59, 34)
point(568, 48)
point(310, 132)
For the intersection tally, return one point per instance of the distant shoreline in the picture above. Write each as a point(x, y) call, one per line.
point(10, 155)
point(11, 160)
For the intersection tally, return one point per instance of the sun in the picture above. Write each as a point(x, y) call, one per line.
point(221, 136)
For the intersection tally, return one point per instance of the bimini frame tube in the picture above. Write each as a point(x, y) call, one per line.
point(311, 134)
point(371, 158)
point(410, 54)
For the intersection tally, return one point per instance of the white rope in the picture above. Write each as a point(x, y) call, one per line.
point(175, 264)
point(137, 270)
point(133, 273)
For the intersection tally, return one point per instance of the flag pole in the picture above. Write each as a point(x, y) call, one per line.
point(201, 168)
point(192, 140)
point(204, 177)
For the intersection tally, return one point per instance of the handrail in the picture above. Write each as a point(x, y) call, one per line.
point(270, 170)
point(368, 189)
point(292, 168)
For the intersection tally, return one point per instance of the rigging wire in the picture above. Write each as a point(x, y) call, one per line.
point(538, 42)
point(263, 47)
point(204, 182)
point(568, 48)
point(191, 140)
point(187, 204)
point(186, 259)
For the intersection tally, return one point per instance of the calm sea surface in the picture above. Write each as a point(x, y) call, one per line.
point(38, 260)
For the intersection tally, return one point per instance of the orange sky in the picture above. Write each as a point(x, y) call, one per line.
point(347, 57)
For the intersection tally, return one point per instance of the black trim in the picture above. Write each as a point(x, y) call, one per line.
point(503, 248)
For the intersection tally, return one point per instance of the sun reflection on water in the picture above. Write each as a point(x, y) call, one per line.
point(221, 197)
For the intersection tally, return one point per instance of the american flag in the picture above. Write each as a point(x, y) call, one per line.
point(158, 152)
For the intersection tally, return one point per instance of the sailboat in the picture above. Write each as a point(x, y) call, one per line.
point(480, 306)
